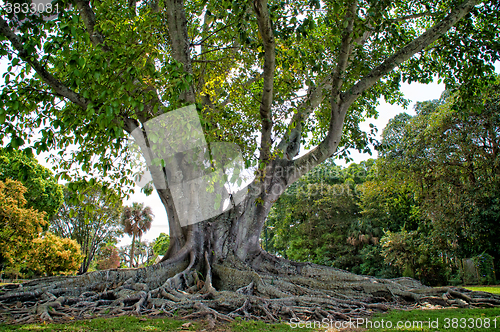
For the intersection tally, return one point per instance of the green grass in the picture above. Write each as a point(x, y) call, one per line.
point(142, 324)
point(489, 289)
point(439, 320)
point(124, 324)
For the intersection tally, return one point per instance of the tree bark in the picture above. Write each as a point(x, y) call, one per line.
point(132, 247)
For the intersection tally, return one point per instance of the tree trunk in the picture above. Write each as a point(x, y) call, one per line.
point(132, 247)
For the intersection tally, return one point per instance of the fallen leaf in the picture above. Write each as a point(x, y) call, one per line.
point(186, 325)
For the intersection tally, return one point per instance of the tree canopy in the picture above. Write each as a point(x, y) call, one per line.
point(296, 57)
point(19, 225)
point(90, 216)
point(44, 193)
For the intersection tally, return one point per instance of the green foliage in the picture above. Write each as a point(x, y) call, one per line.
point(414, 256)
point(486, 269)
point(448, 156)
point(161, 244)
point(119, 78)
point(318, 219)
point(19, 225)
point(429, 200)
point(23, 247)
point(52, 255)
point(43, 192)
point(89, 215)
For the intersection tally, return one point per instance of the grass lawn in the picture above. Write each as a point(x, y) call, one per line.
point(490, 289)
point(480, 320)
point(476, 320)
point(133, 323)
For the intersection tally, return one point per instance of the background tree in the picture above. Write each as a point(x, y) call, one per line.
point(89, 215)
point(143, 254)
point(136, 221)
point(52, 255)
point(449, 154)
point(317, 219)
point(19, 225)
point(43, 191)
point(105, 69)
point(108, 258)
point(160, 245)
point(23, 246)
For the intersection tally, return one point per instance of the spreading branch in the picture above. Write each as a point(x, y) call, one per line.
point(61, 89)
point(404, 54)
point(266, 32)
point(344, 54)
point(290, 143)
point(88, 18)
point(328, 146)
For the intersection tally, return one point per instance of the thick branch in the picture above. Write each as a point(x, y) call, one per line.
point(53, 82)
point(177, 30)
point(328, 146)
point(418, 44)
point(344, 53)
point(88, 17)
point(266, 32)
point(290, 143)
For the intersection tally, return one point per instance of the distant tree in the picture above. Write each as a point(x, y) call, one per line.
point(161, 244)
point(43, 191)
point(136, 220)
point(108, 258)
point(317, 219)
point(143, 254)
point(19, 225)
point(90, 216)
point(449, 154)
point(52, 255)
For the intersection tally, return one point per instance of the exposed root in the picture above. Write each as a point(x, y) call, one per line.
point(268, 289)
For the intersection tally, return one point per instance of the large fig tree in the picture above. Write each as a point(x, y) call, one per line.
point(271, 77)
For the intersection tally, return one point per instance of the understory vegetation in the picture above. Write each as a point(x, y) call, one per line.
point(427, 208)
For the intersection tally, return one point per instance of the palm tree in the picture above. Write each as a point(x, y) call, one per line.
point(136, 221)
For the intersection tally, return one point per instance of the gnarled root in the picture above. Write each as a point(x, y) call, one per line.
point(266, 288)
